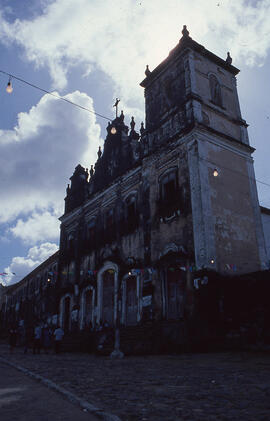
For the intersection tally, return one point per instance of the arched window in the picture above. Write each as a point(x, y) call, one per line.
point(109, 226)
point(70, 243)
point(131, 212)
point(215, 90)
point(91, 234)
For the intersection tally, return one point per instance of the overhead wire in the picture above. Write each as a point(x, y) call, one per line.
point(10, 75)
point(55, 95)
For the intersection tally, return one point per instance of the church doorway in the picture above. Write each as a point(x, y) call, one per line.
point(175, 281)
point(87, 308)
point(108, 297)
point(131, 301)
point(66, 318)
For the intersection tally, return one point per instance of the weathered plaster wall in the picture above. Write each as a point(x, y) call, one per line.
point(232, 211)
point(221, 118)
point(266, 231)
point(178, 229)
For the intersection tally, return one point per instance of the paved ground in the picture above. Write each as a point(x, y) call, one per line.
point(24, 399)
point(193, 387)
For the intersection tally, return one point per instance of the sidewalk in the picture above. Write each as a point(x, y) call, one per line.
point(193, 387)
point(23, 399)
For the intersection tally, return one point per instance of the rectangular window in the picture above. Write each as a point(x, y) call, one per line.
point(131, 214)
point(91, 235)
point(169, 191)
point(109, 226)
point(169, 194)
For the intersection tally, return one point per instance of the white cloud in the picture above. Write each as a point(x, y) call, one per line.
point(39, 155)
point(21, 266)
point(120, 37)
point(38, 227)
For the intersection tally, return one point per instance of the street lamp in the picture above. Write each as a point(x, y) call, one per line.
point(9, 87)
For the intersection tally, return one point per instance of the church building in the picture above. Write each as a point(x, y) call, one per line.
point(166, 211)
point(163, 205)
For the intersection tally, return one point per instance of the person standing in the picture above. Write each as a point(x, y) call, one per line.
point(58, 336)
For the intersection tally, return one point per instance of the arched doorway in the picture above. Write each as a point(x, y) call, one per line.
point(66, 318)
point(87, 308)
point(107, 314)
point(131, 300)
point(175, 282)
point(66, 303)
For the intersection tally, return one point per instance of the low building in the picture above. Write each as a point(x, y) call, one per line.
point(34, 299)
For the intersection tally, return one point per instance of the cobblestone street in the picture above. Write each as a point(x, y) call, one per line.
point(220, 386)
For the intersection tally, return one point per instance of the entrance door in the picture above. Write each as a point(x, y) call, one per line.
point(175, 293)
point(88, 308)
point(66, 314)
point(131, 301)
point(108, 298)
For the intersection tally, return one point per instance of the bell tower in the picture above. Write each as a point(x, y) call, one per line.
point(191, 102)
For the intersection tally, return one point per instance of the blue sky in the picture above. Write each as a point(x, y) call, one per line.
point(91, 52)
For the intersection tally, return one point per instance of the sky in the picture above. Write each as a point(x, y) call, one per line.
point(90, 52)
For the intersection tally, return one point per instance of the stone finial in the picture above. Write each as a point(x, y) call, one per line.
point(228, 59)
point(132, 124)
point(147, 71)
point(99, 152)
point(185, 31)
point(122, 116)
point(91, 171)
point(142, 128)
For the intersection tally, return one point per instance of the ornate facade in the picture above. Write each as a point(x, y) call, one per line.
point(164, 210)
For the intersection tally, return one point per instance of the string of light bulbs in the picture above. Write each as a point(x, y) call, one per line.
point(9, 90)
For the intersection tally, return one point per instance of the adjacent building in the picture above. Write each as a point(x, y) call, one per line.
point(34, 299)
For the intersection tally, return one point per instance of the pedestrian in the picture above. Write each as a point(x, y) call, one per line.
point(46, 338)
point(58, 336)
point(37, 339)
point(12, 338)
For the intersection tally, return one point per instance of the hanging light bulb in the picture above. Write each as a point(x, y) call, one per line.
point(113, 130)
point(9, 88)
point(212, 261)
point(215, 172)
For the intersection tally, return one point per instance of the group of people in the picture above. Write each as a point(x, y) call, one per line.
point(39, 337)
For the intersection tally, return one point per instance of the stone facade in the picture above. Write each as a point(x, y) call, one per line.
point(165, 208)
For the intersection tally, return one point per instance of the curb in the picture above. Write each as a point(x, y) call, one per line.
point(68, 395)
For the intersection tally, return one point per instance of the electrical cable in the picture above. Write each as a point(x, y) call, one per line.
point(55, 95)
point(106, 118)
